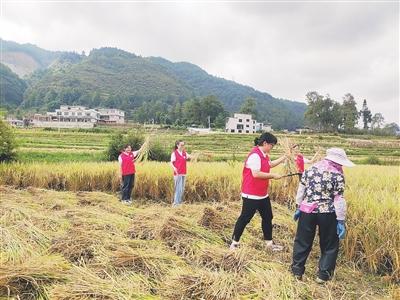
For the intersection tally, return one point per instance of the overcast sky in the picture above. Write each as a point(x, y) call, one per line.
point(285, 49)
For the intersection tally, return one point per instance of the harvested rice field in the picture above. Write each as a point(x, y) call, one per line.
point(87, 245)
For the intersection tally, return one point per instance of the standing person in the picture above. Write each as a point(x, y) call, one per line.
point(300, 160)
point(178, 163)
point(255, 180)
point(127, 162)
point(320, 202)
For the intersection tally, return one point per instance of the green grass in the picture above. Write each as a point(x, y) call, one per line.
point(60, 156)
point(40, 144)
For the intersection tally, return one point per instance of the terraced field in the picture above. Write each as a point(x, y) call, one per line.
point(41, 145)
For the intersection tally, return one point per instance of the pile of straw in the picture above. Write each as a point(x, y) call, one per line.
point(77, 245)
point(213, 219)
point(217, 259)
point(28, 279)
point(143, 261)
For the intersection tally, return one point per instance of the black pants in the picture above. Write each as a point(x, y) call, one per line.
point(328, 241)
point(249, 208)
point(127, 186)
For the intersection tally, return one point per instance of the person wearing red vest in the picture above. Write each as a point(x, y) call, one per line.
point(255, 181)
point(127, 162)
point(178, 163)
point(300, 160)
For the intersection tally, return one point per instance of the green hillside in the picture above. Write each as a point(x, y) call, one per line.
point(12, 88)
point(116, 78)
point(281, 113)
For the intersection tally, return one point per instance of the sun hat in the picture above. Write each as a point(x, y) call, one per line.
point(338, 156)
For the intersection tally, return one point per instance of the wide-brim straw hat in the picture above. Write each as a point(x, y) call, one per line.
point(338, 156)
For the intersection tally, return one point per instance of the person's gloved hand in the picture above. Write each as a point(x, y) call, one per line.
point(296, 215)
point(341, 229)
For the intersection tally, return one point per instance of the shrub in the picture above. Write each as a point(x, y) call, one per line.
point(7, 143)
point(118, 142)
point(158, 152)
point(372, 160)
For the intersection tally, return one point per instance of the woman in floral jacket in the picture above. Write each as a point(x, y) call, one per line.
point(320, 202)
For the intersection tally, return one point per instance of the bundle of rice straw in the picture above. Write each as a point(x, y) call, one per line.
point(194, 156)
point(319, 154)
point(287, 194)
point(144, 150)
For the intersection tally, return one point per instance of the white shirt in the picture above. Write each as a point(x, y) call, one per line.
point(173, 157)
point(254, 163)
point(135, 153)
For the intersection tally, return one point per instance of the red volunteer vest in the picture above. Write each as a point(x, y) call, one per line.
point(256, 186)
point(127, 166)
point(300, 163)
point(180, 162)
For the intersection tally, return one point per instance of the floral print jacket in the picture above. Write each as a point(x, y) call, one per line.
point(323, 184)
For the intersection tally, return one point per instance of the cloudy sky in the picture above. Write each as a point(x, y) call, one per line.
point(285, 49)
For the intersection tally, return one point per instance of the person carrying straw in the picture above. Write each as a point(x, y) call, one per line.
point(255, 181)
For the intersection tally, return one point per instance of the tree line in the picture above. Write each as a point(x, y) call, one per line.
point(327, 115)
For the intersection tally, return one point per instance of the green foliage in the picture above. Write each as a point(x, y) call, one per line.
point(7, 143)
point(249, 106)
point(198, 110)
point(159, 152)
point(366, 115)
point(12, 88)
point(118, 142)
point(349, 113)
point(372, 160)
point(323, 113)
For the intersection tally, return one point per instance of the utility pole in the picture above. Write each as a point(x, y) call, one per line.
point(209, 122)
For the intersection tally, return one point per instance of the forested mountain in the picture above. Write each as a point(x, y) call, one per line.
point(12, 88)
point(149, 89)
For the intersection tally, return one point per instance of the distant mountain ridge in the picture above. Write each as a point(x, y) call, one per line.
point(114, 77)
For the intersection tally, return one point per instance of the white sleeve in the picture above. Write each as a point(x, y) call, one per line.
point(254, 162)
point(300, 194)
point(120, 159)
point(135, 153)
point(173, 158)
point(306, 160)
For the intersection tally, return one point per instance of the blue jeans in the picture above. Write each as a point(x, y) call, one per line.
point(179, 181)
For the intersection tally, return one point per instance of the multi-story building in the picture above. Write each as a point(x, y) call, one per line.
point(77, 117)
point(244, 123)
point(111, 116)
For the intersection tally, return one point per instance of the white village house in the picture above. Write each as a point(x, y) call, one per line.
point(244, 123)
point(78, 117)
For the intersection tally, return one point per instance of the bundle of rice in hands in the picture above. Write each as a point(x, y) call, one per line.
point(319, 154)
point(194, 156)
point(144, 150)
point(287, 193)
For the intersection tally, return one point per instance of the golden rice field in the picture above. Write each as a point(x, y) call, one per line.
point(83, 244)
